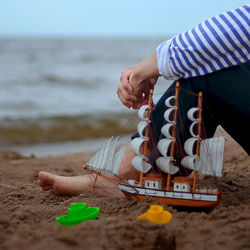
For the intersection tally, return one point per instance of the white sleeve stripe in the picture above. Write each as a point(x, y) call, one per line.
point(196, 58)
point(219, 43)
point(179, 63)
point(212, 47)
point(203, 56)
point(207, 53)
point(236, 17)
point(182, 60)
point(174, 66)
point(237, 32)
point(234, 36)
point(187, 58)
point(243, 13)
point(163, 61)
point(246, 8)
point(230, 38)
point(223, 41)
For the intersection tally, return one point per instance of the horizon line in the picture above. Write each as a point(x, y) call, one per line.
point(79, 36)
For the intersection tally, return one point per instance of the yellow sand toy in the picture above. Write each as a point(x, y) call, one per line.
point(156, 214)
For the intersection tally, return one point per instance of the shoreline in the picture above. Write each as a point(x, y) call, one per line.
point(60, 148)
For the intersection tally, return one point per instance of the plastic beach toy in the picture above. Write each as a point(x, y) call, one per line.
point(156, 214)
point(77, 213)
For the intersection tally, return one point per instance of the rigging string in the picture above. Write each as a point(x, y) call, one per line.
point(203, 102)
point(92, 177)
point(130, 123)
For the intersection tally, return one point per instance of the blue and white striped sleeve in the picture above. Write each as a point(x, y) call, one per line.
point(219, 42)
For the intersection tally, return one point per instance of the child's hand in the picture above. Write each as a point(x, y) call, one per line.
point(136, 82)
point(141, 92)
point(125, 89)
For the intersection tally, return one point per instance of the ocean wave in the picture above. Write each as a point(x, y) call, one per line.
point(65, 128)
point(53, 79)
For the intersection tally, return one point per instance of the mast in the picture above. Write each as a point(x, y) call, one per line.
point(204, 156)
point(145, 146)
point(177, 88)
point(199, 137)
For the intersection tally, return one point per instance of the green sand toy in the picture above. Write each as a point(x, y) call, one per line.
point(77, 213)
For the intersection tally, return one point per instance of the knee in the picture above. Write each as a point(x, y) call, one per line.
point(123, 171)
point(128, 172)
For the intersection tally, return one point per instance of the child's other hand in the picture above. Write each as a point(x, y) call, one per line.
point(125, 89)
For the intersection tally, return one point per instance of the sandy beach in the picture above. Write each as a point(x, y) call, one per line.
point(27, 214)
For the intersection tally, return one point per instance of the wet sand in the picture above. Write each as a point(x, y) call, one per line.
point(27, 214)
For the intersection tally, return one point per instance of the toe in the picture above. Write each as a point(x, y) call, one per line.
point(45, 179)
point(46, 188)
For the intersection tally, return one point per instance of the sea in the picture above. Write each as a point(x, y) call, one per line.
point(58, 95)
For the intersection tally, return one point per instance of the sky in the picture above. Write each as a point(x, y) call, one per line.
point(145, 18)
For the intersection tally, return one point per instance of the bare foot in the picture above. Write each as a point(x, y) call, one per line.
point(69, 186)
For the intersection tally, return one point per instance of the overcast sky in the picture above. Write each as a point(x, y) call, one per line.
point(106, 17)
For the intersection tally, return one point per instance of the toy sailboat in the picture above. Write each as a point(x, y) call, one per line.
point(203, 156)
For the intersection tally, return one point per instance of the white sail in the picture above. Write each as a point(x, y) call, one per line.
point(165, 130)
point(117, 160)
point(167, 115)
point(102, 163)
point(163, 146)
point(94, 160)
point(191, 162)
point(139, 161)
point(143, 112)
point(140, 164)
point(141, 128)
point(191, 112)
point(191, 129)
point(91, 161)
point(189, 146)
point(105, 160)
point(136, 144)
point(164, 164)
point(211, 156)
point(98, 161)
point(110, 155)
point(169, 100)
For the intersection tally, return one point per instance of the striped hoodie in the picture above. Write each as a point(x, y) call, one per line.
point(219, 42)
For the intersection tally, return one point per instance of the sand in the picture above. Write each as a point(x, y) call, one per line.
point(27, 214)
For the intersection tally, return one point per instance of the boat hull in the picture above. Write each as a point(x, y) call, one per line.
point(174, 198)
